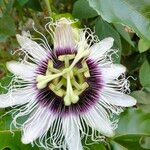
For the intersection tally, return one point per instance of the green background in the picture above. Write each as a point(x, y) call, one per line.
point(127, 21)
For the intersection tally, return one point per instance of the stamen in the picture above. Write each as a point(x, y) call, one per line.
point(86, 69)
point(43, 80)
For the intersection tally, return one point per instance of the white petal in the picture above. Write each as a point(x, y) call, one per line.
point(18, 97)
point(112, 72)
point(117, 98)
point(37, 125)
point(25, 71)
point(72, 134)
point(64, 36)
point(98, 49)
point(98, 122)
point(31, 47)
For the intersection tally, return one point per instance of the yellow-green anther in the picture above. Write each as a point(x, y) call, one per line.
point(82, 70)
point(86, 72)
point(50, 64)
point(74, 98)
point(59, 93)
point(43, 80)
point(42, 85)
point(75, 83)
point(84, 86)
point(48, 77)
point(62, 57)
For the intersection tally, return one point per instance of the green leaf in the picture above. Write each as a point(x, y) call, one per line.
point(145, 108)
point(145, 142)
point(136, 59)
point(142, 97)
point(9, 5)
point(3, 37)
point(7, 140)
point(7, 27)
point(116, 146)
point(103, 30)
point(133, 122)
point(126, 48)
point(144, 74)
point(133, 13)
point(132, 143)
point(123, 33)
point(4, 82)
point(34, 4)
point(143, 45)
point(22, 2)
point(82, 10)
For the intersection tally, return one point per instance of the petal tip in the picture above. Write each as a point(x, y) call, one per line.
point(119, 67)
point(110, 133)
point(109, 39)
point(25, 140)
point(130, 102)
point(18, 36)
point(9, 65)
point(133, 102)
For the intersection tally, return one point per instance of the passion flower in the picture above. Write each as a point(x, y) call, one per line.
point(67, 92)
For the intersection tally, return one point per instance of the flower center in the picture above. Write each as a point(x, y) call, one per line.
point(67, 81)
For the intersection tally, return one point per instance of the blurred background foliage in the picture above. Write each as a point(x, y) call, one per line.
point(127, 21)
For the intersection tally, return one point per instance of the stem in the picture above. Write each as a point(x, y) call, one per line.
point(47, 2)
